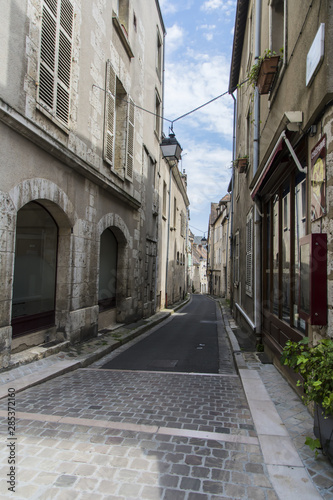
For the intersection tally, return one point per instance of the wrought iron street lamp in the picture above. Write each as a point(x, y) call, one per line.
point(171, 149)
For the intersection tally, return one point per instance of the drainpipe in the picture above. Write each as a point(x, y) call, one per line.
point(232, 192)
point(257, 217)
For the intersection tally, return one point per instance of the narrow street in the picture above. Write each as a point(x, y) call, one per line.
point(143, 423)
point(187, 342)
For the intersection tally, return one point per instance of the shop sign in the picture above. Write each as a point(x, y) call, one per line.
point(315, 54)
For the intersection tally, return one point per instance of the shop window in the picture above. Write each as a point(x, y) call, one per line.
point(56, 59)
point(300, 232)
point(107, 271)
point(276, 255)
point(268, 256)
point(286, 254)
point(285, 225)
point(35, 270)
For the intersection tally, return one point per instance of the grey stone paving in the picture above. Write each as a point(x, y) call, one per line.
point(73, 461)
point(299, 423)
point(196, 402)
point(58, 460)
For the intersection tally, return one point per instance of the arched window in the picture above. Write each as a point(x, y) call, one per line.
point(35, 270)
point(107, 270)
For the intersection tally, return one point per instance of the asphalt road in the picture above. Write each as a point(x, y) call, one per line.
point(188, 342)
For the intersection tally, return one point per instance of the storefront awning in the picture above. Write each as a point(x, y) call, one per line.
point(277, 148)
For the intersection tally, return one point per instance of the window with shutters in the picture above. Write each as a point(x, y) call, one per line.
point(236, 258)
point(55, 59)
point(157, 114)
point(119, 126)
point(159, 55)
point(249, 253)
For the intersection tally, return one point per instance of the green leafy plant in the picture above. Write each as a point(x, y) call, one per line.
point(253, 74)
point(314, 444)
point(315, 365)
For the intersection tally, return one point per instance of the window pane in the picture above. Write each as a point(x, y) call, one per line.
point(286, 255)
point(268, 258)
point(275, 223)
point(300, 231)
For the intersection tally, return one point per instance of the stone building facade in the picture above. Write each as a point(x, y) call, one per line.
point(80, 167)
point(219, 248)
point(173, 230)
point(283, 199)
point(198, 265)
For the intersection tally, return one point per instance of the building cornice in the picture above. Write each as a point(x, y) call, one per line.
point(180, 185)
point(237, 49)
point(31, 131)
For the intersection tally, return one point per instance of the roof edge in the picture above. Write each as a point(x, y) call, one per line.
point(237, 48)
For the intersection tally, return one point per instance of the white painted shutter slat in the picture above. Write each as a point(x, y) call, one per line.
point(64, 60)
point(130, 141)
point(56, 58)
point(110, 113)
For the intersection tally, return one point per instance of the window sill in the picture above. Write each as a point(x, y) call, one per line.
point(52, 118)
point(122, 35)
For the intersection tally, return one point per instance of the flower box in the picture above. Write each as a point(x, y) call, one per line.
point(267, 72)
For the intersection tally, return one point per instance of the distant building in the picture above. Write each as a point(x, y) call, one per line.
point(219, 248)
point(199, 266)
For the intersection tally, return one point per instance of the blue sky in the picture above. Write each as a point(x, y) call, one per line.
point(198, 53)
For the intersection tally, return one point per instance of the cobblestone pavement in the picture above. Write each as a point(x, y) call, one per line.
point(139, 435)
point(124, 435)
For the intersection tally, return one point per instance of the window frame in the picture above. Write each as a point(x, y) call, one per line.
point(55, 61)
point(249, 254)
point(124, 165)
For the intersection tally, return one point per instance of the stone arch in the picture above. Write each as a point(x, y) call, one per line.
point(56, 202)
point(48, 194)
point(125, 244)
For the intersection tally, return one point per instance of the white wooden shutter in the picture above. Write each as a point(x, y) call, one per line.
point(249, 252)
point(130, 141)
point(64, 60)
point(110, 114)
point(56, 57)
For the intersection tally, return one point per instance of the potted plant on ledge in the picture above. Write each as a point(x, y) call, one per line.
point(263, 72)
point(315, 365)
point(242, 163)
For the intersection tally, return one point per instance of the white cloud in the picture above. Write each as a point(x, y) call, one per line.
point(168, 7)
point(227, 6)
point(189, 84)
point(208, 171)
point(175, 37)
point(212, 4)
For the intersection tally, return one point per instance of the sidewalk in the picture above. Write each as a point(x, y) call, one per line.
point(281, 420)
point(38, 364)
point(288, 420)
